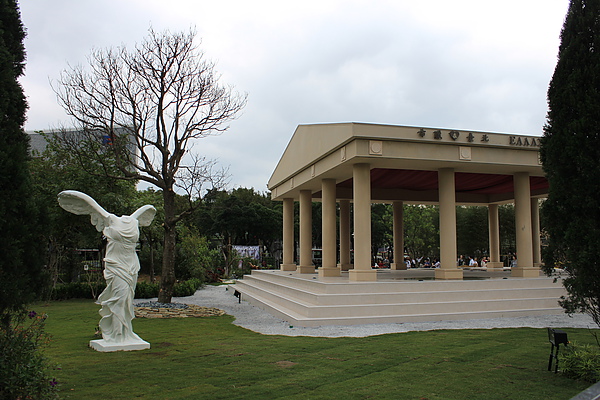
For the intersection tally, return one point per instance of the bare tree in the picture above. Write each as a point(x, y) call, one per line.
point(140, 111)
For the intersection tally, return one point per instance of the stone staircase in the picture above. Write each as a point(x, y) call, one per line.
point(307, 300)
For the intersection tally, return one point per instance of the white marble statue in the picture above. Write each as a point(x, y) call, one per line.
point(121, 268)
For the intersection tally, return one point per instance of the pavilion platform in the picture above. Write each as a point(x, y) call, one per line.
point(398, 296)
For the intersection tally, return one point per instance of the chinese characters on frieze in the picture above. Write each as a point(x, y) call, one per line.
point(523, 141)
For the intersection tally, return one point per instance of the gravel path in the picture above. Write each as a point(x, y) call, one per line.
point(257, 320)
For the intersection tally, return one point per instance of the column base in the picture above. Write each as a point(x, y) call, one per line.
point(495, 266)
point(525, 272)
point(450, 273)
point(398, 266)
point(288, 267)
point(359, 275)
point(345, 267)
point(328, 272)
point(305, 269)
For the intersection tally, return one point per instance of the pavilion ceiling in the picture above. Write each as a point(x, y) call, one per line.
point(465, 182)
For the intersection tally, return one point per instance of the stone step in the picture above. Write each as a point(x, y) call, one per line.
point(296, 319)
point(314, 284)
point(318, 310)
point(288, 304)
point(259, 300)
point(304, 301)
point(308, 296)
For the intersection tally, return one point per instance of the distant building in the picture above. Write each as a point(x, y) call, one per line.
point(38, 142)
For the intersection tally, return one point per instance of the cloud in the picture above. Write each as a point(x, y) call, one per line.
point(465, 64)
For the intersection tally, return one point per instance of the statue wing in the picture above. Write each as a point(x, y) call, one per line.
point(144, 215)
point(80, 203)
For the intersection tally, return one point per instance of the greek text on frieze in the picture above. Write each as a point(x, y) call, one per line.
point(438, 134)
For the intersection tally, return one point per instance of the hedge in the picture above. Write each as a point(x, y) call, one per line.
point(143, 290)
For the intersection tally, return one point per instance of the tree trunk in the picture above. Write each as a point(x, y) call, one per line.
point(168, 265)
point(152, 262)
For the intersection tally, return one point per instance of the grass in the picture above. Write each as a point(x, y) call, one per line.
point(210, 358)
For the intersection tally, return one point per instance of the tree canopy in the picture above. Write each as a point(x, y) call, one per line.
point(55, 170)
point(239, 217)
point(22, 255)
point(147, 107)
point(570, 150)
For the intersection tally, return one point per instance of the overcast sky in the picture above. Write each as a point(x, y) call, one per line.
point(463, 64)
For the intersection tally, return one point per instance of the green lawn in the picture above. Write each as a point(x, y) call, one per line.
point(210, 358)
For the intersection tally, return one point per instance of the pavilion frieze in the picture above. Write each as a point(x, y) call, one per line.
point(474, 137)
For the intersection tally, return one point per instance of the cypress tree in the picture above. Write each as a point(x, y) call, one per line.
point(570, 153)
point(21, 277)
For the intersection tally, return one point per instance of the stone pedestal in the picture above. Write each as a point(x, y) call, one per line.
point(448, 273)
point(358, 275)
point(305, 269)
point(524, 272)
point(328, 272)
point(103, 346)
point(345, 267)
point(495, 266)
point(398, 266)
point(288, 267)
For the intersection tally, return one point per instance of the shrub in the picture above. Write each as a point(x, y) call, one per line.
point(144, 290)
point(195, 257)
point(23, 369)
point(581, 362)
point(77, 290)
point(187, 288)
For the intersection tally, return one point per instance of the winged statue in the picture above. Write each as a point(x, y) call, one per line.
point(121, 268)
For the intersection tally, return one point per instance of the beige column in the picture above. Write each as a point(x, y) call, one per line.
point(344, 264)
point(524, 266)
point(288, 235)
point(494, 231)
point(447, 199)
point(535, 232)
point(329, 237)
point(362, 225)
point(306, 265)
point(398, 228)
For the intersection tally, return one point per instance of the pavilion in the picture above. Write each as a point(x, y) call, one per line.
point(365, 163)
point(360, 164)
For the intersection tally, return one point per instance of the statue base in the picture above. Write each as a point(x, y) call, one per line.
point(104, 346)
